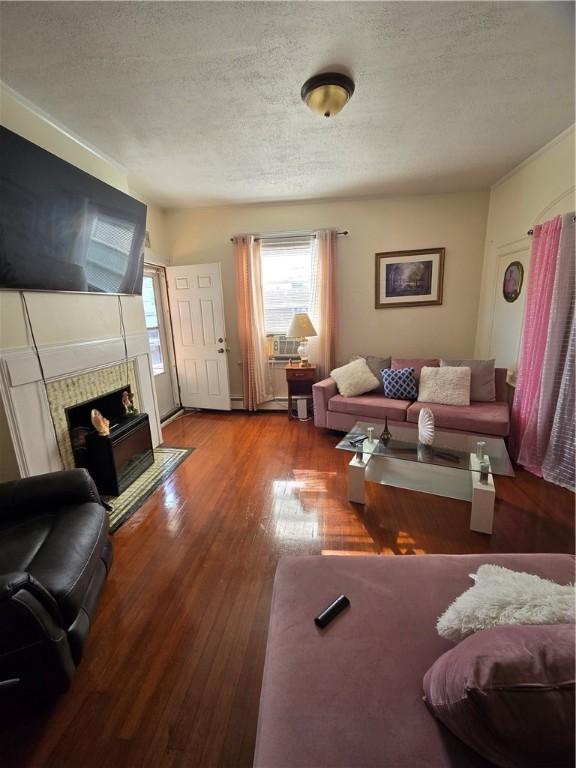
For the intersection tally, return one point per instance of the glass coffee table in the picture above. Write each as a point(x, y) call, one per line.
point(450, 467)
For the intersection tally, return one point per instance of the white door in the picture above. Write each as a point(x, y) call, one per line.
point(197, 311)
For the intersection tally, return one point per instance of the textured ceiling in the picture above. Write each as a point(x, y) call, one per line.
point(201, 101)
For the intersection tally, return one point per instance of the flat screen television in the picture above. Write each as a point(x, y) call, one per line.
point(62, 229)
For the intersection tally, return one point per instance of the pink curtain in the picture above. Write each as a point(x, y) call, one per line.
point(528, 428)
point(257, 385)
point(323, 300)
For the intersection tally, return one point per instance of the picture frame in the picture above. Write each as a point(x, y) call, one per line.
point(409, 278)
point(512, 281)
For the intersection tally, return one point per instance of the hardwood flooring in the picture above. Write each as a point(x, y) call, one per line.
point(172, 670)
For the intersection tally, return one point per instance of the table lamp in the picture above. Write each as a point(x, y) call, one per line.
point(301, 328)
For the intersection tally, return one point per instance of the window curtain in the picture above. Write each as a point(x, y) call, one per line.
point(322, 304)
point(542, 437)
point(256, 379)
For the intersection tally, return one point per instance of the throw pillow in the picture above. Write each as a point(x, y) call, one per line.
point(482, 382)
point(417, 363)
point(508, 693)
point(399, 384)
point(502, 596)
point(355, 378)
point(376, 364)
point(447, 386)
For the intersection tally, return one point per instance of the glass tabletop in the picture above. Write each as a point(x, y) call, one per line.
point(450, 449)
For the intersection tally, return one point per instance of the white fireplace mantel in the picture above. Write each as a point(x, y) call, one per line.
point(26, 404)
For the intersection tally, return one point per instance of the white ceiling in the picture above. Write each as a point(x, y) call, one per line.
point(201, 101)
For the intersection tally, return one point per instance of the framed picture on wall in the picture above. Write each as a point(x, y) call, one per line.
point(513, 279)
point(409, 278)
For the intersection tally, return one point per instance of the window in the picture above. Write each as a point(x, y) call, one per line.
point(151, 316)
point(286, 280)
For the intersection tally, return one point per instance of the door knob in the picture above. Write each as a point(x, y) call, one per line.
point(220, 340)
point(221, 351)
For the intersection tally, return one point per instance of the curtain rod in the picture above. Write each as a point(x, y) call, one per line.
point(285, 234)
point(531, 231)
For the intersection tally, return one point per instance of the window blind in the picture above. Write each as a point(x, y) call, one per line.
point(286, 280)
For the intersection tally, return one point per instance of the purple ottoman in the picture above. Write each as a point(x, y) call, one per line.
point(350, 696)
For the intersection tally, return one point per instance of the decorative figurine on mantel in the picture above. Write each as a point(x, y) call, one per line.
point(386, 435)
point(128, 403)
point(100, 423)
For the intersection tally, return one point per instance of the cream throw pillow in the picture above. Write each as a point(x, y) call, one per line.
point(502, 596)
point(355, 378)
point(446, 386)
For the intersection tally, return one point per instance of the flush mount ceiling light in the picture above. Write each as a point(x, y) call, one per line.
point(327, 94)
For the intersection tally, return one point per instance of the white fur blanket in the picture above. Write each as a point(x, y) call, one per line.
point(502, 596)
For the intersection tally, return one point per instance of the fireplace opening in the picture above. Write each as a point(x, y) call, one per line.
point(113, 460)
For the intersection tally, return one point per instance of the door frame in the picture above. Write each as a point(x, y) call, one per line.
point(164, 308)
point(221, 343)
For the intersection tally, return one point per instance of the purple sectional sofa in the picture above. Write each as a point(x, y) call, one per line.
point(334, 411)
point(350, 696)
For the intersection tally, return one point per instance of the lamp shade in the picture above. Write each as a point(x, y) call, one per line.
point(301, 327)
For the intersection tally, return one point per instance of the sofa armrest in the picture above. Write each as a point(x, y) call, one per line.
point(11, 584)
point(34, 647)
point(322, 391)
point(72, 486)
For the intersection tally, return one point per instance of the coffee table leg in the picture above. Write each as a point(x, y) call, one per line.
point(483, 495)
point(356, 480)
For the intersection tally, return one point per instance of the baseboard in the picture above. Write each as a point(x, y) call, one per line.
point(277, 404)
point(171, 416)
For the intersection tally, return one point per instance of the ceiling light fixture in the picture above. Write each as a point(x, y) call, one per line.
point(327, 94)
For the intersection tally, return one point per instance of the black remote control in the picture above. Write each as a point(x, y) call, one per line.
point(332, 611)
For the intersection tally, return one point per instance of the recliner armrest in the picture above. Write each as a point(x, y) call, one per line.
point(17, 581)
point(71, 486)
point(34, 646)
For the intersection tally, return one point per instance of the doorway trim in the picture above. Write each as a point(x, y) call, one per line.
point(163, 308)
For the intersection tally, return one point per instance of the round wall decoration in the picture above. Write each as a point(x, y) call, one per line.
point(513, 278)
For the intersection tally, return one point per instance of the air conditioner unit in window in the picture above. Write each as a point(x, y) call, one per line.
point(282, 348)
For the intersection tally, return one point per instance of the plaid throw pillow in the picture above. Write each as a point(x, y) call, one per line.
point(399, 383)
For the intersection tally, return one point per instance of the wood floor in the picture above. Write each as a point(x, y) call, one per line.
point(172, 670)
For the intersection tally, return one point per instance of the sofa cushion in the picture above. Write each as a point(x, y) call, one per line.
point(400, 384)
point(508, 692)
point(502, 596)
point(483, 381)
point(416, 362)
point(21, 538)
point(370, 406)
point(447, 386)
point(376, 364)
point(485, 418)
point(354, 378)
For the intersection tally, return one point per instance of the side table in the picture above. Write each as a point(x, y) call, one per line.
point(299, 382)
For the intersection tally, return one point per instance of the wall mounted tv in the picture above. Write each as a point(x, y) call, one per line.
point(63, 230)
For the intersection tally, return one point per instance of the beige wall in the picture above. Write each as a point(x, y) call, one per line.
point(455, 221)
point(58, 318)
point(538, 189)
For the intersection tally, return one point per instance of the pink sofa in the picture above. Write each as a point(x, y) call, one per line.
point(350, 696)
point(333, 411)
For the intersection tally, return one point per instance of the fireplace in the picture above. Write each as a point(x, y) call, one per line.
point(74, 372)
point(113, 460)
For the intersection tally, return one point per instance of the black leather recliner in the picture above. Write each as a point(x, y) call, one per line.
point(55, 553)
